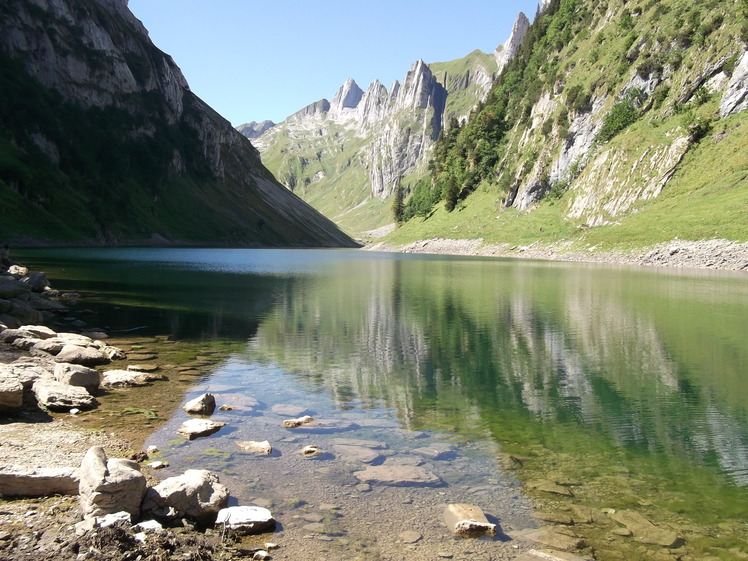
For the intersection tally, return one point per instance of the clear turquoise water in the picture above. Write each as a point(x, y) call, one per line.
point(634, 380)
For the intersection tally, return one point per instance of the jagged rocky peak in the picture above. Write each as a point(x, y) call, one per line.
point(373, 104)
point(506, 52)
point(255, 129)
point(418, 89)
point(348, 97)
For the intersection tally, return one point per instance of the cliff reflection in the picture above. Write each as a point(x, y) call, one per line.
point(649, 361)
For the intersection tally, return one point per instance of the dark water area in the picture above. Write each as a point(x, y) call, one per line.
point(628, 386)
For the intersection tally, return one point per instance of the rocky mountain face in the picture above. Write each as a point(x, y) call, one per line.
point(103, 142)
point(605, 110)
point(346, 156)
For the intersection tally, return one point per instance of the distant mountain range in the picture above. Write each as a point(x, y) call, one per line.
point(346, 156)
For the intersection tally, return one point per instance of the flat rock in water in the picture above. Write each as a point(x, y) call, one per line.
point(245, 519)
point(255, 447)
point(144, 367)
point(289, 410)
point(372, 444)
point(550, 555)
point(141, 356)
point(195, 428)
point(435, 451)
point(398, 476)
point(356, 453)
point(551, 487)
point(552, 538)
point(644, 531)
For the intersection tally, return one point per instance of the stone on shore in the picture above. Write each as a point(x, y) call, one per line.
point(11, 392)
point(195, 428)
point(644, 531)
point(262, 448)
point(18, 481)
point(39, 331)
point(57, 396)
point(201, 405)
point(29, 370)
point(109, 485)
point(77, 375)
point(245, 519)
point(398, 476)
point(86, 356)
point(467, 521)
point(45, 347)
point(197, 495)
point(38, 282)
point(11, 287)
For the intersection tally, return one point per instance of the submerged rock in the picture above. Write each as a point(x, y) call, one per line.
point(398, 476)
point(644, 531)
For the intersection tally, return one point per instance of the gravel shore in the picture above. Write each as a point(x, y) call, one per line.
point(705, 254)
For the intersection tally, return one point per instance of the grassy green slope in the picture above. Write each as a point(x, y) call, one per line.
point(582, 54)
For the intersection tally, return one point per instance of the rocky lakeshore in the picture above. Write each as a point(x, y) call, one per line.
point(127, 387)
point(705, 254)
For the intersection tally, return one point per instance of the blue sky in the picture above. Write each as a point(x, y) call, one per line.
point(253, 60)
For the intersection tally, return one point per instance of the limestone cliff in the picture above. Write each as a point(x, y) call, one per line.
point(103, 142)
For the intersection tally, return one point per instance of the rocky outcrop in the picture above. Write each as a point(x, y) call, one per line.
point(506, 52)
point(735, 98)
point(99, 81)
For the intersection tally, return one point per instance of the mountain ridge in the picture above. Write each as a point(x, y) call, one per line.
point(368, 142)
point(103, 142)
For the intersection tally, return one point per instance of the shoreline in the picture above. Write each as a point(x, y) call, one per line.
point(714, 254)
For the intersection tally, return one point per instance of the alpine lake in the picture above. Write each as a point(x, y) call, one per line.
point(583, 405)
